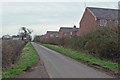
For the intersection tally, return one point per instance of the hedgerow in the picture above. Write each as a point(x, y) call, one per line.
point(102, 43)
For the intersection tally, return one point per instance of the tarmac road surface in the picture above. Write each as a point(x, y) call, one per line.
point(60, 66)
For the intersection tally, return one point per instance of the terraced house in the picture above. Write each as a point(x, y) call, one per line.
point(68, 31)
point(94, 18)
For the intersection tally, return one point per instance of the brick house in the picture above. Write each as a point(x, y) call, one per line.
point(67, 31)
point(51, 34)
point(94, 18)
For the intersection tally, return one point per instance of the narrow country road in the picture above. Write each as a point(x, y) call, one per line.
point(60, 66)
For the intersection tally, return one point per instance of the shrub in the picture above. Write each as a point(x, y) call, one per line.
point(54, 41)
point(104, 42)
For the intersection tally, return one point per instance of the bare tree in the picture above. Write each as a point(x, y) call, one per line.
point(25, 33)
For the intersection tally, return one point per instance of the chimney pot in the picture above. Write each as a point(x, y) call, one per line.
point(74, 26)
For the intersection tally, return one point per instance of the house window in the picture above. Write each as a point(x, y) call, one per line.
point(103, 22)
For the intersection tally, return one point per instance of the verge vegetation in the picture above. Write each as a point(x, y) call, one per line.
point(102, 43)
point(27, 58)
point(84, 57)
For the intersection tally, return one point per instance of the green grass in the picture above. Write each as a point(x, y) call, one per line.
point(84, 57)
point(27, 59)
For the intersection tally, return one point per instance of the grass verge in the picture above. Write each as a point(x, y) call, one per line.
point(84, 57)
point(27, 59)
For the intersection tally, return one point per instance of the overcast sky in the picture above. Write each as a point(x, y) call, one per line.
point(41, 16)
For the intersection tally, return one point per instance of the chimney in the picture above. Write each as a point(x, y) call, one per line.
point(74, 26)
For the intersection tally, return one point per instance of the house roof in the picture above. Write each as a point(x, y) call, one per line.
point(104, 13)
point(42, 35)
point(68, 29)
point(55, 33)
point(52, 31)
